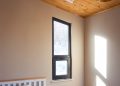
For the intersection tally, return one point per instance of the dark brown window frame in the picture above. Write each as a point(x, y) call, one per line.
point(61, 57)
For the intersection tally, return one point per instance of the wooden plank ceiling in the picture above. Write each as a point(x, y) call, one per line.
point(83, 8)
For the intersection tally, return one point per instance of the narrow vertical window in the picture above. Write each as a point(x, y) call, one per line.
point(61, 51)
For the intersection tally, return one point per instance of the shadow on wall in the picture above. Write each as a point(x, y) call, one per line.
point(100, 60)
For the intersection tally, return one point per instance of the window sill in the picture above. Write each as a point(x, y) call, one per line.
point(60, 80)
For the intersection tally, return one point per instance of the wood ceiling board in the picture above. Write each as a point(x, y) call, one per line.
point(66, 6)
point(83, 8)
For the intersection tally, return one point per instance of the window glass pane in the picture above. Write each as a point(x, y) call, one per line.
point(61, 67)
point(60, 38)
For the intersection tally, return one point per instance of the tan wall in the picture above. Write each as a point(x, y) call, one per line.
point(107, 25)
point(26, 41)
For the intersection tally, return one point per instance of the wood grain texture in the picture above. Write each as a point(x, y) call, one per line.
point(83, 8)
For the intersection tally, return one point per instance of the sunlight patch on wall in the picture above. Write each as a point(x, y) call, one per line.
point(101, 55)
point(99, 82)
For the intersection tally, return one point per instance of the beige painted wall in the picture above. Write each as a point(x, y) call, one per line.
point(26, 41)
point(107, 25)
